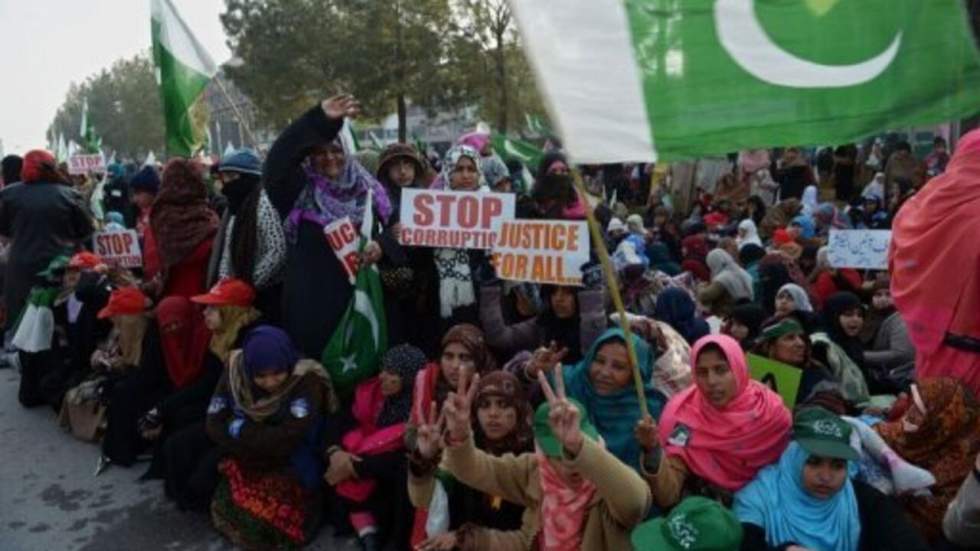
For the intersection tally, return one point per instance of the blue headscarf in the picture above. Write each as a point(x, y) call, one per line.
point(676, 308)
point(268, 349)
point(808, 230)
point(615, 415)
point(777, 502)
point(659, 256)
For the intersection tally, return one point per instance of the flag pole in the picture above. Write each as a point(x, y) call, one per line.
point(238, 114)
point(612, 283)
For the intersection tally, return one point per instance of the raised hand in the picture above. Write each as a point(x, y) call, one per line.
point(343, 105)
point(646, 434)
point(546, 358)
point(564, 416)
point(429, 437)
point(458, 406)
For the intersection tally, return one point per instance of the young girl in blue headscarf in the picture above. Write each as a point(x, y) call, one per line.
point(808, 501)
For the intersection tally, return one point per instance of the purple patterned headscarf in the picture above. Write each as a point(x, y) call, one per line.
point(323, 201)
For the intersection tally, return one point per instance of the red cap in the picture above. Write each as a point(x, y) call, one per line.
point(228, 292)
point(127, 300)
point(781, 237)
point(84, 261)
point(33, 162)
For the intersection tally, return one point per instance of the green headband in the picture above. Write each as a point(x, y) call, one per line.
point(788, 326)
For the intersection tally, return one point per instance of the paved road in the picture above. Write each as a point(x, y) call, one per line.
point(50, 499)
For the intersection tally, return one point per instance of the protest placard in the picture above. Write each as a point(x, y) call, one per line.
point(86, 164)
point(344, 239)
point(862, 249)
point(781, 378)
point(542, 251)
point(453, 219)
point(118, 248)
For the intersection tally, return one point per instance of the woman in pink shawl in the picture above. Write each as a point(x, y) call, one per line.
point(717, 434)
point(935, 269)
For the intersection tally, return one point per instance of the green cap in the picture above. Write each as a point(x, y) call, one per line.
point(786, 326)
point(55, 268)
point(695, 524)
point(822, 433)
point(546, 439)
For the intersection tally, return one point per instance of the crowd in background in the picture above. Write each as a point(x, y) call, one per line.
point(505, 415)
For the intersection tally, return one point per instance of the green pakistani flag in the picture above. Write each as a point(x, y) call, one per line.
point(91, 140)
point(510, 148)
point(634, 80)
point(354, 351)
point(184, 69)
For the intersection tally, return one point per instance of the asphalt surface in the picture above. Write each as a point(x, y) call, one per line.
point(50, 499)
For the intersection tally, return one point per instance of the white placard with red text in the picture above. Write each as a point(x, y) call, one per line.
point(118, 248)
point(344, 239)
point(548, 252)
point(86, 164)
point(453, 219)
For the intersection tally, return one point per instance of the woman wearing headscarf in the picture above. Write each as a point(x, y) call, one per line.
point(793, 174)
point(312, 181)
point(661, 259)
point(367, 465)
point(827, 217)
point(40, 216)
point(580, 494)
point(729, 285)
point(553, 171)
point(173, 360)
point(791, 298)
point(779, 216)
point(839, 347)
point(744, 324)
point(228, 315)
point(502, 425)
point(808, 499)
point(748, 234)
point(889, 356)
point(572, 317)
point(268, 414)
point(676, 308)
point(250, 244)
point(464, 346)
point(827, 280)
point(694, 249)
point(787, 341)
point(939, 432)
point(715, 436)
point(406, 273)
point(177, 247)
point(456, 268)
point(603, 383)
point(933, 265)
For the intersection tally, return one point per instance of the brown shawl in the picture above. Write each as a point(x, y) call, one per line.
point(945, 444)
point(260, 409)
point(181, 218)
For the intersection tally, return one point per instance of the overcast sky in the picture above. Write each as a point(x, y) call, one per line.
point(45, 45)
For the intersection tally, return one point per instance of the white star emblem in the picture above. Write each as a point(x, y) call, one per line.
point(348, 363)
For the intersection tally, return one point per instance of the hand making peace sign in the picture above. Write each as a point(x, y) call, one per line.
point(564, 416)
point(429, 437)
point(458, 406)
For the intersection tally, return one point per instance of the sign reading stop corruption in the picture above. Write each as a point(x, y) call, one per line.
point(119, 248)
point(634, 80)
point(453, 219)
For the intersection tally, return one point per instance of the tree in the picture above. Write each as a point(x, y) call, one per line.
point(123, 106)
point(499, 69)
point(386, 52)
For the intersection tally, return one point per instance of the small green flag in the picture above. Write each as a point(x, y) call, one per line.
point(91, 141)
point(510, 148)
point(634, 80)
point(184, 70)
point(354, 350)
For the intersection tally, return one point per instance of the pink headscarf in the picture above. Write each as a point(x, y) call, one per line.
point(726, 447)
point(563, 508)
point(935, 267)
point(476, 140)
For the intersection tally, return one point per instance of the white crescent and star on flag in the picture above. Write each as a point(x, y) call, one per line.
point(744, 38)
